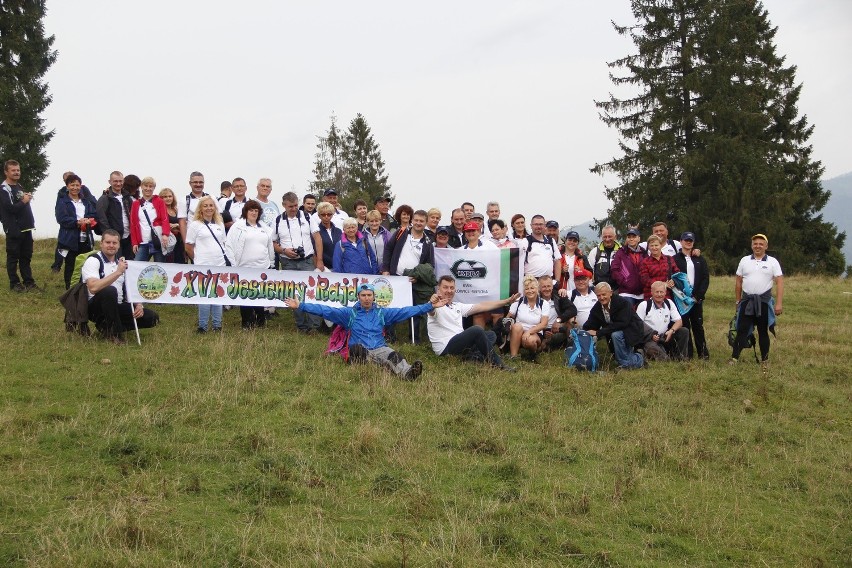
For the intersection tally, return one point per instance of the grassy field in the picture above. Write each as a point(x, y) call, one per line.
point(253, 449)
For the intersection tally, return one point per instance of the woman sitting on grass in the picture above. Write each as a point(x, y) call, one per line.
point(530, 320)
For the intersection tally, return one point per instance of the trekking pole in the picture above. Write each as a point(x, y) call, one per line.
point(412, 330)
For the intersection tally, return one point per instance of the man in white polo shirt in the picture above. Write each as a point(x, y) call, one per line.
point(447, 335)
point(662, 316)
point(753, 289)
point(541, 255)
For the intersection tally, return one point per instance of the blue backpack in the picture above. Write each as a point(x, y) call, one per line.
point(581, 354)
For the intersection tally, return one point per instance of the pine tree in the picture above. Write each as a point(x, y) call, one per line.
point(712, 141)
point(329, 166)
point(25, 56)
point(366, 168)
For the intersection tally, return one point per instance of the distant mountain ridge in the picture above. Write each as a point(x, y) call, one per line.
point(839, 207)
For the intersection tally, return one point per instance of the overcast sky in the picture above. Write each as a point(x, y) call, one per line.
point(470, 100)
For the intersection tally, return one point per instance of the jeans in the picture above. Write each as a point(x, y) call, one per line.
point(624, 353)
point(204, 313)
point(304, 321)
point(146, 250)
point(474, 344)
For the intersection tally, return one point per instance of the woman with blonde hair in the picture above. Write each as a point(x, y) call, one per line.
point(530, 317)
point(149, 224)
point(205, 239)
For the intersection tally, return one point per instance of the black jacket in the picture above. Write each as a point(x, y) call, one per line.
point(702, 274)
point(565, 308)
point(109, 211)
point(393, 249)
point(15, 215)
point(622, 317)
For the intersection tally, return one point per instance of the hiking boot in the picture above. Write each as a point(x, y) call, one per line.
point(18, 288)
point(415, 371)
point(70, 327)
point(32, 287)
point(764, 369)
point(118, 340)
point(84, 330)
point(200, 330)
point(357, 354)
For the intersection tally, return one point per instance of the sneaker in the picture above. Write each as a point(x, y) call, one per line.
point(200, 330)
point(357, 354)
point(415, 371)
point(507, 368)
point(733, 361)
point(764, 368)
point(217, 330)
point(55, 269)
point(18, 288)
point(33, 288)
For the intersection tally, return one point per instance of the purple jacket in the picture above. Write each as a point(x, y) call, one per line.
point(625, 270)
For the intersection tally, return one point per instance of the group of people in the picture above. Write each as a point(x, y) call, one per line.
point(620, 292)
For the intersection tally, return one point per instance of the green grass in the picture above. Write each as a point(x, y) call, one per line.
point(254, 449)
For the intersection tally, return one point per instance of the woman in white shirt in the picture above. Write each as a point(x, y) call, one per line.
point(204, 245)
point(530, 317)
point(249, 244)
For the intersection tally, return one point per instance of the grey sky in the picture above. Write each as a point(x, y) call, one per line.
point(468, 100)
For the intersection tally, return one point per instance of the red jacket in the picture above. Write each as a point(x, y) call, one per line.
point(653, 270)
point(161, 221)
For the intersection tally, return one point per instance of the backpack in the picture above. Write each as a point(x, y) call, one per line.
point(338, 342)
point(603, 264)
point(732, 336)
point(581, 354)
point(81, 259)
point(531, 240)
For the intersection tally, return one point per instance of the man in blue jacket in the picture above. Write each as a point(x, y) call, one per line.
point(365, 322)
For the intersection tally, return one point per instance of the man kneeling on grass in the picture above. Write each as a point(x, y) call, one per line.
point(447, 335)
point(365, 322)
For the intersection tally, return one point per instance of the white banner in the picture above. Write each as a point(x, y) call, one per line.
point(233, 285)
point(481, 274)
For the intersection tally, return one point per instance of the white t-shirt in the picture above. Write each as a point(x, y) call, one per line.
point(144, 227)
point(125, 214)
point(409, 257)
point(539, 261)
point(249, 245)
point(294, 233)
point(207, 252)
point(658, 317)
point(445, 324)
point(690, 270)
point(758, 275)
point(80, 211)
point(269, 211)
point(584, 306)
point(91, 269)
point(484, 244)
point(528, 317)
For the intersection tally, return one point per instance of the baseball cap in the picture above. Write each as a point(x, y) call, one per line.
point(633, 231)
point(330, 191)
point(582, 273)
point(442, 229)
point(760, 236)
point(552, 224)
point(471, 226)
point(367, 287)
point(381, 198)
point(572, 235)
point(477, 215)
point(687, 236)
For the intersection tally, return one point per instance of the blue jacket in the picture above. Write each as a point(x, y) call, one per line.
point(66, 216)
point(366, 325)
point(354, 258)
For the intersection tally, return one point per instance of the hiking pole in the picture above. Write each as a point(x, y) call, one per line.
point(412, 330)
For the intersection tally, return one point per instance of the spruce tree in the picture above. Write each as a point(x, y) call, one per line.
point(366, 168)
point(329, 165)
point(712, 140)
point(25, 56)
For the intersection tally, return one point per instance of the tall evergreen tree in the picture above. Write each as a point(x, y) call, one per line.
point(712, 141)
point(329, 166)
point(366, 168)
point(25, 56)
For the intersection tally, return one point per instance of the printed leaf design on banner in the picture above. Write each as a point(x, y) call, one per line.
point(312, 282)
point(220, 291)
point(310, 294)
point(224, 277)
point(177, 278)
point(174, 291)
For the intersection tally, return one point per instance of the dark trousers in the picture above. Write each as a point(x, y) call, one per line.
point(19, 254)
point(745, 323)
point(112, 318)
point(127, 249)
point(252, 316)
point(69, 261)
point(475, 344)
point(693, 320)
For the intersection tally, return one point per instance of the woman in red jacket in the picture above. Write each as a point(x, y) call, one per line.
point(149, 224)
point(657, 267)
